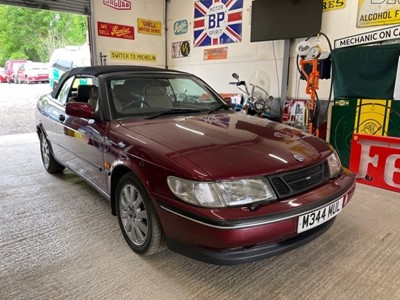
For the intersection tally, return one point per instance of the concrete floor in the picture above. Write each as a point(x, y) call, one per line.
point(58, 240)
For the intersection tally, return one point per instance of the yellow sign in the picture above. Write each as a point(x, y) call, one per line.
point(372, 116)
point(149, 27)
point(120, 55)
point(333, 4)
point(377, 12)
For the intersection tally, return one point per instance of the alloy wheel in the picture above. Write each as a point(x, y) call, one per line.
point(45, 152)
point(134, 215)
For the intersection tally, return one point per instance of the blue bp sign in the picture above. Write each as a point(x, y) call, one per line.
point(217, 22)
point(181, 27)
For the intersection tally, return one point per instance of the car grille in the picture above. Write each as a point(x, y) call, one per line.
point(295, 182)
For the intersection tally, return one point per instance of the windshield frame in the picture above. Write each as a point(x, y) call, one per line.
point(188, 109)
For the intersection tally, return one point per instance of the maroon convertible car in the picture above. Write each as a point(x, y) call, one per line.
point(183, 170)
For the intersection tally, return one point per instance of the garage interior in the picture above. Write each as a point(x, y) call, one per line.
point(58, 239)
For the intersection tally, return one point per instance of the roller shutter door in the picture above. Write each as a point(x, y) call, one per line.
point(81, 7)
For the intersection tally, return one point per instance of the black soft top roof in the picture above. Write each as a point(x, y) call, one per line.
point(99, 70)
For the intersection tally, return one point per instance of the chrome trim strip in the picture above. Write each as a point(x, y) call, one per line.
point(255, 223)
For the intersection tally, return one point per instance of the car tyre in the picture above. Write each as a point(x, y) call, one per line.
point(49, 162)
point(137, 217)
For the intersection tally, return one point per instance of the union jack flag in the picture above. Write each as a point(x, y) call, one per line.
point(217, 22)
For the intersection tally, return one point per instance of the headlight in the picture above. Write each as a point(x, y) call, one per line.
point(335, 166)
point(222, 193)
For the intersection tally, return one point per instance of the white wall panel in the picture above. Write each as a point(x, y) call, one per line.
point(246, 57)
point(243, 57)
point(143, 44)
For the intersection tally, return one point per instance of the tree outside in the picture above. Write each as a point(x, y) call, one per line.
point(34, 34)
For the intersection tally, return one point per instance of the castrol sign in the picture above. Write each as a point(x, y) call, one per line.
point(118, 4)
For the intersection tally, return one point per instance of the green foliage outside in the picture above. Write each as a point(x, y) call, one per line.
point(34, 34)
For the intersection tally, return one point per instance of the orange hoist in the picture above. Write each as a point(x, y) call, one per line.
point(310, 57)
point(311, 89)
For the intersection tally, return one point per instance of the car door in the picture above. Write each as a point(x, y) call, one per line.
point(51, 108)
point(81, 139)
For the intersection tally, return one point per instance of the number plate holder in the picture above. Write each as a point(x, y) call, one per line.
point(319, 216)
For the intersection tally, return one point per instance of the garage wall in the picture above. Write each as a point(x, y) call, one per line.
point(242, 57)
point(338, 20)
point(129, 32)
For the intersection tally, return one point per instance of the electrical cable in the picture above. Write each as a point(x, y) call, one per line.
point(276, 66)
point(277, 78)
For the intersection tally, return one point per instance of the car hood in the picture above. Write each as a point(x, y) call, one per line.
point(234, 145)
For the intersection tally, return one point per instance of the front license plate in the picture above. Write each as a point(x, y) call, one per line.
point(317, 217)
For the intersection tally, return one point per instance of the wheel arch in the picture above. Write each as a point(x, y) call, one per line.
point(116, 174)
point(40, 129)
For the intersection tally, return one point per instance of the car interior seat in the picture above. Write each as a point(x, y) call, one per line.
point(156, 97)
point(94, 94)
point(83, 93)
point(120, 96)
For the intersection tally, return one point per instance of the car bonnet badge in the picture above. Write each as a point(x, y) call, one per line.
point(298, 157)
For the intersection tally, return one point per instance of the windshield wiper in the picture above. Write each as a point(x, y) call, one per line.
point(220, 106)
point(172, 111)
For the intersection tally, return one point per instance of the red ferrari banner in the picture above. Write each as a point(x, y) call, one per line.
point(376, 160)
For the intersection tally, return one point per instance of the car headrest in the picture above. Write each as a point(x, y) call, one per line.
point(155, 90)
point(94, 92)
point(83, 92)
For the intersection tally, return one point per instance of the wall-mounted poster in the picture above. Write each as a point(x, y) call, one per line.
point(378, 12)
point(333, 4)
point(180, 49)
point(217, 22)
point(118, 4)
point(181, 27)
point(123, 55)
point(149, 27)
point(115, 30)
point(216, 53)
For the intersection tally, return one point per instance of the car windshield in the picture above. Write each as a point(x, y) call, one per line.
point(152, 97)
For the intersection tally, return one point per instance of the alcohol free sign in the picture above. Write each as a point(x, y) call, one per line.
point(378, 12)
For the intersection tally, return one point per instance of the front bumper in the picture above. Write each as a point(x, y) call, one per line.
point(234, 241)
point(245, 255)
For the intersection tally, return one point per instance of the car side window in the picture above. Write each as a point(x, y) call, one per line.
point(65, 91)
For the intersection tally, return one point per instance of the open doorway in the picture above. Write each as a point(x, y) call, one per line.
point(28, 39)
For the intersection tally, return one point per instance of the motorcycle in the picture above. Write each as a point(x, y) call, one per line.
point(256, 100)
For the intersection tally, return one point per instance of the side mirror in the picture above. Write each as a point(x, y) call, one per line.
point(79, 110)
point(55, 83)
point(236, 76)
